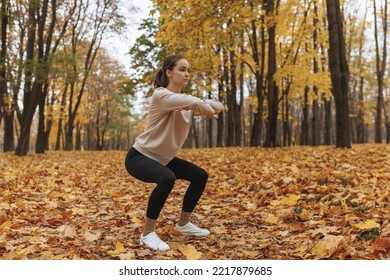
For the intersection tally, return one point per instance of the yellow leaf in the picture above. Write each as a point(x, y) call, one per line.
point(114, 193)
point(327, 246)
point(190, 252)
point(6, 224)
point(119, 248)
point(370, 224)
point(23, 252)
point(295, 169)
point(22, 205)
point(135, 220)
point(290, 200)
point(271, 219)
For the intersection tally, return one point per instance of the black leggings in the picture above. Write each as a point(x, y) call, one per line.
point(150, 171)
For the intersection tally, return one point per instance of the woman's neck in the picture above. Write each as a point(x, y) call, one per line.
point(173, 88)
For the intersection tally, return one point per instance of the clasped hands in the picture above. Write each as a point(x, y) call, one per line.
point(206, 117)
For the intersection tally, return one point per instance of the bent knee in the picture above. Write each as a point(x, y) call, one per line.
point(203, 176)
point(167, 179)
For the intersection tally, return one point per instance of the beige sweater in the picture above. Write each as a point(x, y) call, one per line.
point(167, 127)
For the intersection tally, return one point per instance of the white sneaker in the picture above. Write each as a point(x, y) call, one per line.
point(154, 242)
point(191, 229)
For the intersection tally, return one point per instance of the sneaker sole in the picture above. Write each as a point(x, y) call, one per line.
point(144, 244)
point(195, 235)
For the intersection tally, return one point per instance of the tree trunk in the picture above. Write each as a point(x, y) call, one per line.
point(231, 88)
point(31, 93)
point(305, 119)
point(361, 126)
point(45, 51)
point(210, 128)
point(59, 131)
point(78, 137)
point(272, 90)
point(49, 121)
point(339, 73)
point(9, 139)
point(195, 133)
point(387, 124)
point(316, 116)
point(328, 122)
point(315, 122)
point(6, 110)
point(239, 107)
point(360, 130)
point(380, 70)
point(221, 116)
point(259, 77)
point(4, 14)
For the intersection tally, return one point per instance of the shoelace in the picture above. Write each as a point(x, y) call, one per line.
point(194, 227)
point(155, 238)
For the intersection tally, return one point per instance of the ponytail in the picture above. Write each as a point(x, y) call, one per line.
point(161, 79)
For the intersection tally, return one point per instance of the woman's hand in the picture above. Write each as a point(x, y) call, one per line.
point(208, 117)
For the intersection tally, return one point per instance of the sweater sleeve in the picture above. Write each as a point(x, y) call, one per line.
point(216, 105)
point(174, 101)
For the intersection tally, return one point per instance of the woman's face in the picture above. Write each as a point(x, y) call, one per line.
point(179, 76)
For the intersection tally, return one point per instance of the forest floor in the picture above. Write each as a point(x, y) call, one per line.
point(282, 203)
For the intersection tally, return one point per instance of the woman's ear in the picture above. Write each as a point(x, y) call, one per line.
point(168, 72)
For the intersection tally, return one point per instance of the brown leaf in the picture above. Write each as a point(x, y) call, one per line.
point(297, 226)
point(381, 245)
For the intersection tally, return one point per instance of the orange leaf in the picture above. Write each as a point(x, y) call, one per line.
point(22, 205)
point(298, 226)
point(380, 244)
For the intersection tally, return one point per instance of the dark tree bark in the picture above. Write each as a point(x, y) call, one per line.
point(221, 116)
point(259, 77)
point(31, 92)
point(3, 54)
point(43, 61)
point(339, 73)
point(210, 128)
point(305, 119)
point(6, 109)
point(380, 70)
point(272, 90)
point(315, 116)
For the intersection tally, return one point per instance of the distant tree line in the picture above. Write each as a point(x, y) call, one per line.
point(289, 72)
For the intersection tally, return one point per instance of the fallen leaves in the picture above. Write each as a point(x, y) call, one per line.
point(370, 224)
point(290, 203)
point(119, 248)
point(91, 237)
point(190, 252)
point(67, 231)
point(329, 245)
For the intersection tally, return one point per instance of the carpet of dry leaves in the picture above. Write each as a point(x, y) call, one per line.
point(283, 203)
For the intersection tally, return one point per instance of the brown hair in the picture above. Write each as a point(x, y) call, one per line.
point(161, 79)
